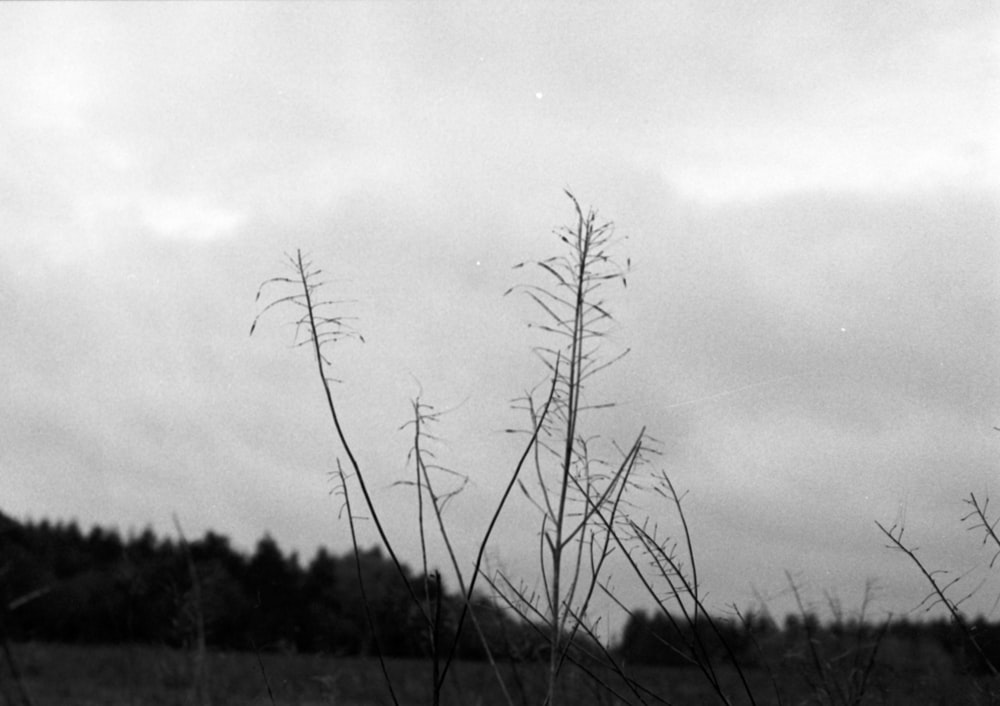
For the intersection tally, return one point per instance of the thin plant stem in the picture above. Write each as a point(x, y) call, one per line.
point(361, 584)
point(315, 337)
point(424, 478)
point(198, 678)
point(481, 552)
point(263, 673)
point(895, 536)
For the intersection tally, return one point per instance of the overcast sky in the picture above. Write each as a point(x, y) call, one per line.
point(808, 194)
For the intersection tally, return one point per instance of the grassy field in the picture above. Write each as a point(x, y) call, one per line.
point(57, 675)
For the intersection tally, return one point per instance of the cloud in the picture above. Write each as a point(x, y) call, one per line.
point(189, 219)
point(808, 197)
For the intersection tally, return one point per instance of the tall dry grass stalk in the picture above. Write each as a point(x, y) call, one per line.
point(577, 490)
point(941, 588)
point(323, 328)
point(579, 481)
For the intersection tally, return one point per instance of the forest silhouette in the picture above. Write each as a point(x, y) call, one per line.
point(61, 584)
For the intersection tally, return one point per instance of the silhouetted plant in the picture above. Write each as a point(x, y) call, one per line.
point(942, 587)
point(573, 481)
point(322, 328)
point(579, 483)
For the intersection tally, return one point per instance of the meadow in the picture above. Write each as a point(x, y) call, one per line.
point(129, 675)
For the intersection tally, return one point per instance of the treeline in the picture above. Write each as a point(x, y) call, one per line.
point(60, 584)
point(756, 640)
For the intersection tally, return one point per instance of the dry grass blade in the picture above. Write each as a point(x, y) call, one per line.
point(361, 583)
point(979, 521)
point(938, 593)
point(569, 489)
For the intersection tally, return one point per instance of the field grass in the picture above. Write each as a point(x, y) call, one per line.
point(63, 675)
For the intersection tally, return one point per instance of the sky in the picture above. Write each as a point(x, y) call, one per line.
point(807, 195)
